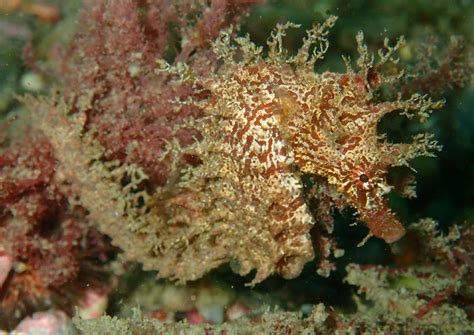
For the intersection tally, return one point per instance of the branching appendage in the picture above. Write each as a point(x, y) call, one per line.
point(246, 190)
point(316, 38)
point(331, 119)
point(266, 120)
point(262, 122)
point(373, 72)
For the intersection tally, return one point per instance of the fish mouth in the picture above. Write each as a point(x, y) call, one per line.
point(383, 223)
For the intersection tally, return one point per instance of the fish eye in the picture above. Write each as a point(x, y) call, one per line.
point(363, 178)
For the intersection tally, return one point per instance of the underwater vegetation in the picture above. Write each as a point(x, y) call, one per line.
point(173, 139)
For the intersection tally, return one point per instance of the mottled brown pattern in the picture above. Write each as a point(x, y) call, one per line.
point(191, 165)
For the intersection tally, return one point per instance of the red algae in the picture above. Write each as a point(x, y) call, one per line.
point(45, 239)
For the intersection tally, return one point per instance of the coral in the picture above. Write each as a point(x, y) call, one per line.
point(409, 295)
point(47, 238)
point(419, 296)
point(275, 322)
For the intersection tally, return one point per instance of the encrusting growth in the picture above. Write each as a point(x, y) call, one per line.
point(258, 123)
